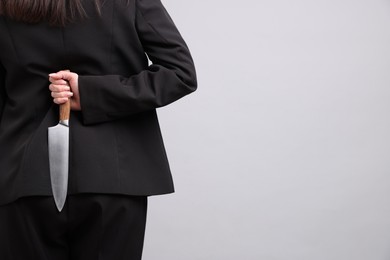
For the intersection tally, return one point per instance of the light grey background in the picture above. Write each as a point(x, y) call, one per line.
point(283, 153)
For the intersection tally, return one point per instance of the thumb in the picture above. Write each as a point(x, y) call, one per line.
point(59, 75)
point(55, 76)
point(65, 75)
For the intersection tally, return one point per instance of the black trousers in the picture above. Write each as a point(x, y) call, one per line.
point(90, 227)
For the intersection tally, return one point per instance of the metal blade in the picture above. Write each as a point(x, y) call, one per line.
point(59, 162)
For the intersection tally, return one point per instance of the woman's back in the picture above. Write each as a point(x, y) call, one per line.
point(116, 144)
point(98, 62)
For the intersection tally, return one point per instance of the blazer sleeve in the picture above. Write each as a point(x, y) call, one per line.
point(171, 76)
point(2, 90)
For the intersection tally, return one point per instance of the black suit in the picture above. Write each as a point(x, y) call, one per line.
point(115, 141)
point(116, 148)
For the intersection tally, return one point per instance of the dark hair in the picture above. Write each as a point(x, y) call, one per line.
point(56, 12)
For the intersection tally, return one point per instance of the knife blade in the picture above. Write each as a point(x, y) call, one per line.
point(58, 147)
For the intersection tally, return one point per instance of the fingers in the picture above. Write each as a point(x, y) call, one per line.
point(64, 75)
point(61, 97)
point(58, 81)
point(61, 94)
point(57, 78)
point(59, 88)
point(64, 86)
point(60, 101)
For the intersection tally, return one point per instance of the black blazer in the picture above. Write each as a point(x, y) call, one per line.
point(115, 141)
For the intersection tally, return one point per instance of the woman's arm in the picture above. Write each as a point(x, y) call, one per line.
point(170, 77)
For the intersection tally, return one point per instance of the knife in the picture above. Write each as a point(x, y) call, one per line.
point(58, 139)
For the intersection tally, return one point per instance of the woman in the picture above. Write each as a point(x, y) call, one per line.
point(95, 55)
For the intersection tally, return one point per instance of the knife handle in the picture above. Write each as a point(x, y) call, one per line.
point(65, 111)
